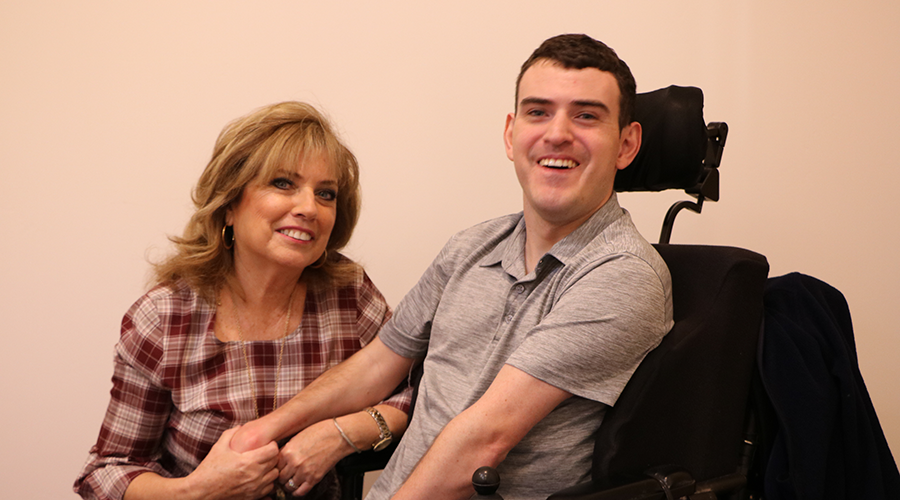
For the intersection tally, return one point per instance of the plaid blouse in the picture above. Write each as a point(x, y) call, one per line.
point(176, 387)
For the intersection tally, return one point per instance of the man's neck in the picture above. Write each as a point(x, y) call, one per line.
point(541, 233)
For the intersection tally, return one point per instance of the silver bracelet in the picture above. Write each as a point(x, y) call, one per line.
point(345, 436)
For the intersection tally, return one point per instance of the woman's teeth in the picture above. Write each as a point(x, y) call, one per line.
point(297, 235)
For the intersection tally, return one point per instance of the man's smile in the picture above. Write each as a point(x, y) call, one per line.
point(558, 163)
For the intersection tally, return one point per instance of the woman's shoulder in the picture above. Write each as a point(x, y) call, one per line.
point(355, 290)
point(351, 276)
point(170, 299)
point(167, 309)
point(170, 317)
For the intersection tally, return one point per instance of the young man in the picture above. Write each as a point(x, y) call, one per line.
point(529, 325)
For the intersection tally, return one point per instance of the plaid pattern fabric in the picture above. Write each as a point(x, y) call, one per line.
point(176, 387)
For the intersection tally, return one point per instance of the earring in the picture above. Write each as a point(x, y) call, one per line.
point(225, 238)
point(318, 264)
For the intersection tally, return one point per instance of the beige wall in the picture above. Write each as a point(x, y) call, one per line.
point(108, 112)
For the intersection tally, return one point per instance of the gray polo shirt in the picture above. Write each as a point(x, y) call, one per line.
point(582, 321)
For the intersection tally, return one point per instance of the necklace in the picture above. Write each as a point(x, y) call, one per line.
point(287, 325)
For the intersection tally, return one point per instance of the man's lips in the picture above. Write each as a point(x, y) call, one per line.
point(296, 234)
point(560, 163)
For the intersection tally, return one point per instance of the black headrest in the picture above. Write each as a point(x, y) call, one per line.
point(674, 141)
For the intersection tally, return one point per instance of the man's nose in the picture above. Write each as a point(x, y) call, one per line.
point(559, 130)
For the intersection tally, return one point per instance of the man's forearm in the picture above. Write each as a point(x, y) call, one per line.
point(445, 472)
point(481, 435)
point(364, 379)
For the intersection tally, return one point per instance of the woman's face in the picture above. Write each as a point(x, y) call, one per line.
point(285, 224)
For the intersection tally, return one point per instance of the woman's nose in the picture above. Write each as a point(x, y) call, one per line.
point(305, 204)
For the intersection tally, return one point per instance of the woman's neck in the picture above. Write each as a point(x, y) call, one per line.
point(258, 309)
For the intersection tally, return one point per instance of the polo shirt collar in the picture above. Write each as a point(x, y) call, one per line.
point(511, 250)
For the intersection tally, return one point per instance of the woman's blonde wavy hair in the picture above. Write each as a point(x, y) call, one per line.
point(252, 149)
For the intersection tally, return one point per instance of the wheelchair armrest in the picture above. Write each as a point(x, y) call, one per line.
point(645, 489)
point(664, 483)
point(661, 483)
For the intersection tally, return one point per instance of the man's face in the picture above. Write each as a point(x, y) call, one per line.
point(565, 142)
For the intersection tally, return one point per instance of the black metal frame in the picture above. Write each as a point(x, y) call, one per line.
point(707, 187)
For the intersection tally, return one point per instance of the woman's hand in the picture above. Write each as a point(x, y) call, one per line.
point(309, 455)
point(252, 435)
point(227, 474)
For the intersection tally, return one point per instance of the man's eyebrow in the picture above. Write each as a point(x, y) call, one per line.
point(581, 103)
point(591, 104)
point(535, 100)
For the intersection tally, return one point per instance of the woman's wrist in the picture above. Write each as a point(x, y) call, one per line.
point(151, 485)
point(349, 442)
point(360, 429)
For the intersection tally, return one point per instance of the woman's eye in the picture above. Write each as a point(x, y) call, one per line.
point(282, 183)
point(328, 194)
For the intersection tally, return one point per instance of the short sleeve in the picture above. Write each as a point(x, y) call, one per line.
point(598, 331)
point(372, 310)
point(409, 330)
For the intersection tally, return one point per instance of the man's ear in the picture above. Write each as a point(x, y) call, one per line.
point(507, 134)
point(629, 144)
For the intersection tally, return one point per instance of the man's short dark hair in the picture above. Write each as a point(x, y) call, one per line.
point(581, 51)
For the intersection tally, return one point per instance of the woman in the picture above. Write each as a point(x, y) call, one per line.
point(255, 304)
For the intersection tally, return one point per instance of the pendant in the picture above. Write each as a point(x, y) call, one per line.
point(279, 494)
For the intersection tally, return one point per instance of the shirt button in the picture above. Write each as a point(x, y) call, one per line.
point(508, 318)
point(520, 288)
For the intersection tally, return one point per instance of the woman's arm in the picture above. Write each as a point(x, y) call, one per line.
point(307, 457)
point(224, 474)
point(128, 456)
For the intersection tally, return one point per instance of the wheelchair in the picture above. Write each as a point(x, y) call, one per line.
point(695, 421)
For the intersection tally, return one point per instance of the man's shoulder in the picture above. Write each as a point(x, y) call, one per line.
point(621, 242)
point(485, 234)
point(499, 225)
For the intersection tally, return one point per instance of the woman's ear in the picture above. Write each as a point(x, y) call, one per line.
point(229, 216)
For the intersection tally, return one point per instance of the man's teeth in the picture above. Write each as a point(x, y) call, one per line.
point(558, 163)
point(297, 235)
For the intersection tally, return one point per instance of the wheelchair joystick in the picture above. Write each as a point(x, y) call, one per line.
point(486, 480)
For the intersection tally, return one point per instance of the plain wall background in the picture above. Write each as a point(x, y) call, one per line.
point(109, 110)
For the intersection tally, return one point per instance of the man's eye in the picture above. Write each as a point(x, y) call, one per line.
point(328, 194)
point(282, 183)
point(587, 116)
point(536, 112)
